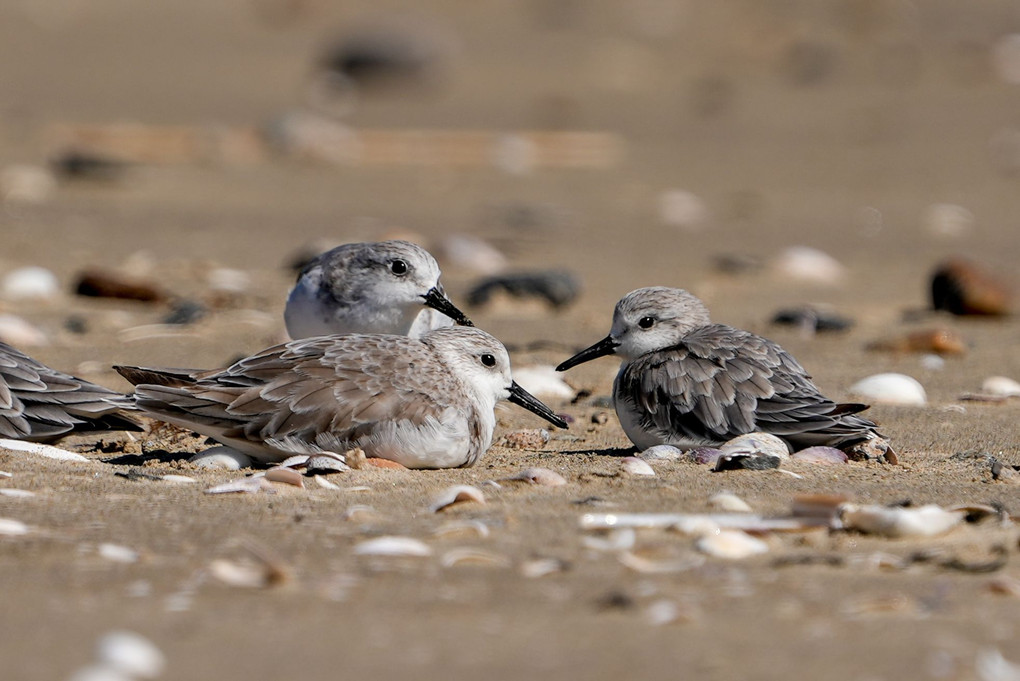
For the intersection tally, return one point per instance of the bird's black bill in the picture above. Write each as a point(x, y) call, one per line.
point(523, 398)
point(437, 300)
point(606, 346)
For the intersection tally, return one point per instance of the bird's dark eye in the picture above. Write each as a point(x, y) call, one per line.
point(646, 322)
point(488, 360)
point(398, 267)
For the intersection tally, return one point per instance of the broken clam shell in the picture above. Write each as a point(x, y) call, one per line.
point(821, 455)
point(540, 476)
point(891, 388)
point(632, 465)
point(898, 522)
point(731, 545)
point(456, 494)
point(393, 546)
point(757, 443)
point(729, 503)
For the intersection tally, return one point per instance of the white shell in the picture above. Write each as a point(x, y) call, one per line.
point(466, 252)
point(41, 450)
point(178, 479)
point(36, 283)
point(992, 666)
point(652, 566)
point(1000, 385)
point(731, 545)
point(809, 264)
point(540, 476)
point(891, 388)
point(635, 466)
point(249, 485)
point(728, 502)
point(620, 539)
point(26, 184)
point(948, 220)
point(229, 280)
point(239, 574)
point(117, 553)
point(924, 521)
point(757, 443)
point(14, 493)
point(393, 546)
point(221, 457)
point(662, 453)
point(683, 209)
point(662, 612)
point(130, 653)
point(540, 567)
point(471, 556)
point(288, 476)
point(456, 528)
point(19, 333)
point(5, 474)
point(543, 381)
point(12, 528)
point(456, 494)
point(324, 483)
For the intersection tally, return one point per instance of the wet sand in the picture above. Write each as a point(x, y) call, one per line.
point(845, 152)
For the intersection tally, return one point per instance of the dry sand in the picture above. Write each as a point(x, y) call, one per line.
point(893, 109)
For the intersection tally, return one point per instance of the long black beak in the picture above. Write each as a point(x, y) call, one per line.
point(523, 398)
point(437, 300)
point(606, 346)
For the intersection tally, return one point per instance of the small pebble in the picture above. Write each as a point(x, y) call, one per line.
point(890, 388)
point(704, 455)
point(812, 318)
point(962, 287)
point(600, 418)
point(559, 288)
point(185, 312)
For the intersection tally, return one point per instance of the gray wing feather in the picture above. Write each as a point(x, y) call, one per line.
point(39, 403)
point(720, 382)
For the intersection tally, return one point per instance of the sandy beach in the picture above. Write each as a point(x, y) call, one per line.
point(880, 133)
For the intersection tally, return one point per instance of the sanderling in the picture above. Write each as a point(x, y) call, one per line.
point(384, 287)
point(40, 404)
point(424, 403)
point(687, 382)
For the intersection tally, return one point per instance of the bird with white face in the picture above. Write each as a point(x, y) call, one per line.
point(687, 382)
point(385, 287)
point(41, 404)
point(422, 402)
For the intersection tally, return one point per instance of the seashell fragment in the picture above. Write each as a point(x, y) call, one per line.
point(471, 556)
point(454, 495)
point(809, 264)
point(682, 209)
point(540, 476)
point(463, 251)
point(543, 381)
point(16, 331)
point(751, 462)
point(540, 567)
point(698, 523)
point(1000, 386)
point(619, 539)
point(244, 575)
point(941, 342)
point(764, 444)
point(393, 546)
point(5, 474)
point(287, 476)
point(898, 522)
point(249, 485)
point(665, 611)
point(324, 483)
point(221, 457)
point(659, 566)
point(99, 672)
point(1005, 585)
point(14, 493)
point(130, 653)
point(178, 479)
point(118, 554)
point(704, 455)
point(662, 453)
point(532, 438)
point(41, 450)
point(632, 465)
point(36, 283)
point(12, 528)
point(457, 528)
point(821, 455)
point(891, 388)
point(729, 503)
point(228, 280)
point(948, 220)
point(731, 545)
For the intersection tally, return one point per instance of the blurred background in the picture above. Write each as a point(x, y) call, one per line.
point(634, 143)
